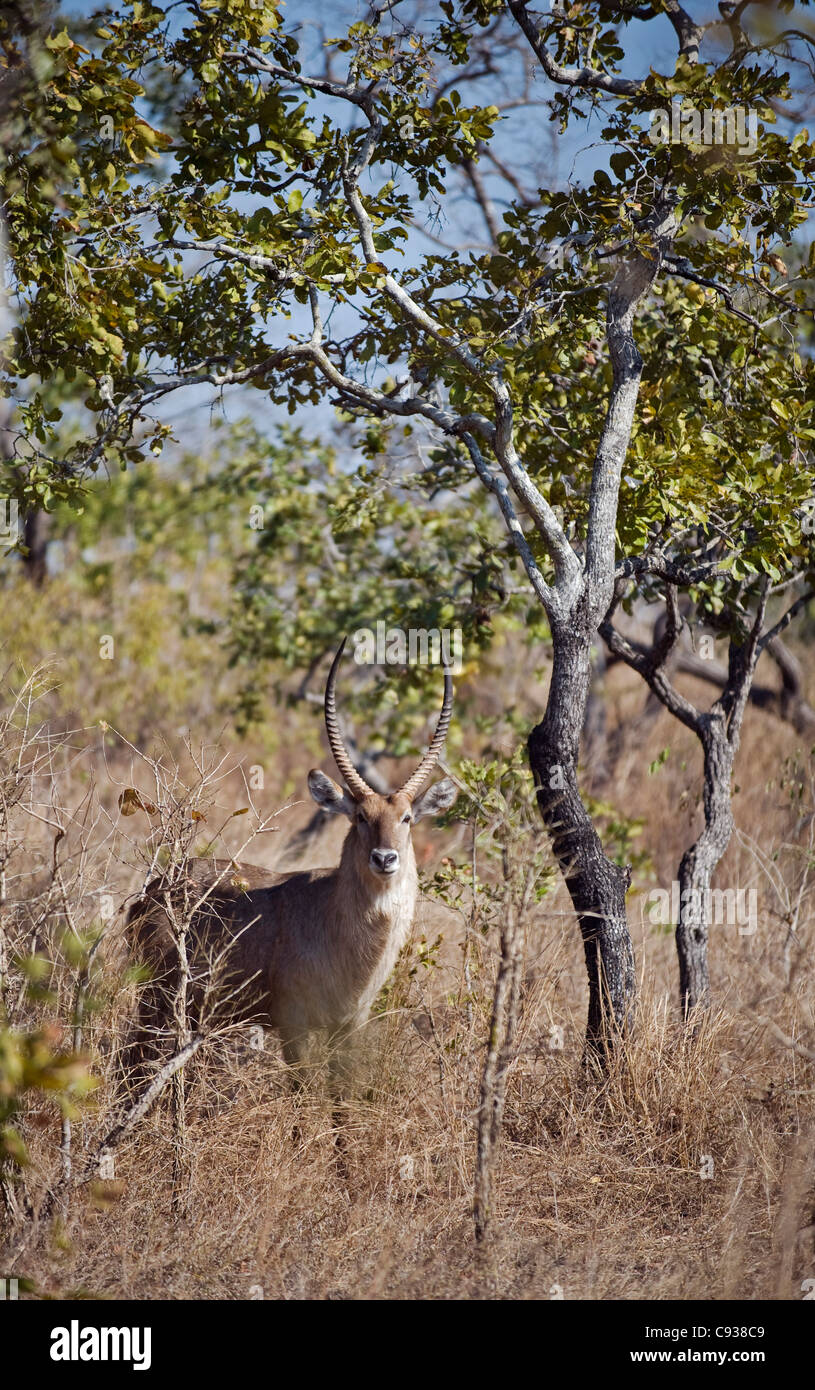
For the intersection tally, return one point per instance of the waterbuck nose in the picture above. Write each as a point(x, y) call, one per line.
point(384, 861)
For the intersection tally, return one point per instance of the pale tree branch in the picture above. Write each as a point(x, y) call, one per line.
point(633, 279)
point(498, 487)
point(396, 292)
point(346, 91)
point(567, 564)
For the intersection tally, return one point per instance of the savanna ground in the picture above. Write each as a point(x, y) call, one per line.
point(686, 1174)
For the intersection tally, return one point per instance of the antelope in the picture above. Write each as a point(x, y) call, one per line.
point(309, 950)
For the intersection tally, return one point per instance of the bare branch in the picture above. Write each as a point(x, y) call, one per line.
point(483, 199)
point(784, 622)
point(650, 662)
point(498, 487)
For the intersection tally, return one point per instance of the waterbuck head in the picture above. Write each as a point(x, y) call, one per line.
point(380, 837)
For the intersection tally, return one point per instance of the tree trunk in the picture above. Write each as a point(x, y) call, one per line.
point(595, 724)
point(699, 863)
point(500, 1051)
point(719, 732)
point(35, 540)
point(596, 885)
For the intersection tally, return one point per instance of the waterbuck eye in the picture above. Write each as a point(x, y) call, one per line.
point(406, 817)
point(361, 820)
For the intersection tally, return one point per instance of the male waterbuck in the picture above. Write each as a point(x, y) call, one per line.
point(304, 951)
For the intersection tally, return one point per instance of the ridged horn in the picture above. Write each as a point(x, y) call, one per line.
point(416, 784)
point(357, 785)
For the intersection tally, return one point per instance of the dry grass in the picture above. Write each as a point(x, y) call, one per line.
point(686, 1173)
point(600, 1190)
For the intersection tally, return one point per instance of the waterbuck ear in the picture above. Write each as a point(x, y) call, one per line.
point(435, 800)
point(329, 796)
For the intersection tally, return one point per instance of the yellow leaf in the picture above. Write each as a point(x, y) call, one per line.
point(132, 801)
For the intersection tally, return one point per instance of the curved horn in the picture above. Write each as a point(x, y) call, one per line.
point(416, 784)
point(357, 785)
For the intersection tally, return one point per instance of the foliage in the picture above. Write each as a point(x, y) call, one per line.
point(157, 255)
point(31, 1065)
point(334, 545)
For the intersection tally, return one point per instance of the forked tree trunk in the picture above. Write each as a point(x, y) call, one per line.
point(718, 731)
point(596, 885)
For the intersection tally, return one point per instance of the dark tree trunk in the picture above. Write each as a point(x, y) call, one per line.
point(719, 732)
point(699, 863)
point(595, 724)
point(35, 539)
point(596, 885)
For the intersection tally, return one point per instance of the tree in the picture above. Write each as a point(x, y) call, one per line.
point(754, 547)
